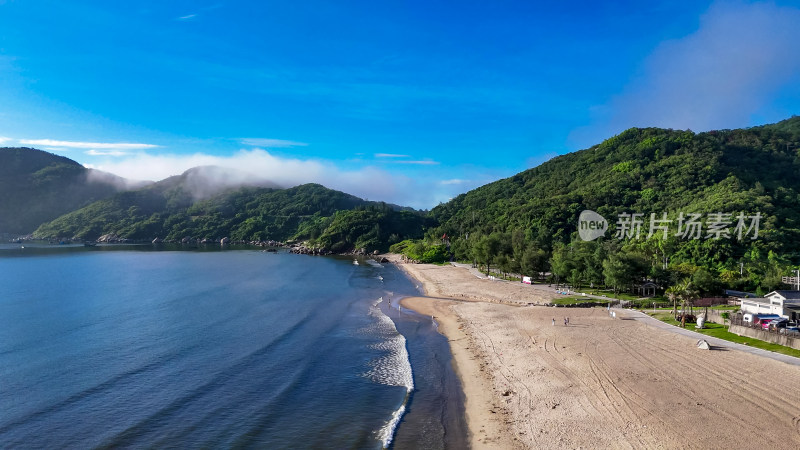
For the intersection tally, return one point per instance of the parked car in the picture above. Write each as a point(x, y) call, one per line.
point(778, 323)
point(761, 319)
point(771, 324)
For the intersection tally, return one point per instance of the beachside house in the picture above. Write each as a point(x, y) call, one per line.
point(783, 303)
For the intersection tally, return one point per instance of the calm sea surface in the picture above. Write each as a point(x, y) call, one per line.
point(141, 347)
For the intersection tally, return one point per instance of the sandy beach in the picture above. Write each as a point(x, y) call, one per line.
point(600, 382)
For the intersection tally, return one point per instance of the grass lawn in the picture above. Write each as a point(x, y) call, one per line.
point(577, 301)
point(721, 331)
point(607, 292)
point(731, 308)
point(721, 307)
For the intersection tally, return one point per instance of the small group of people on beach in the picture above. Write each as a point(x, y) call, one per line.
point(566, 321)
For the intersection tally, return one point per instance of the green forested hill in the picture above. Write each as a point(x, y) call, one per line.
point(527, 222)
point(651, 170)
point(37, 186)
point(170, 210)
point(645, 170)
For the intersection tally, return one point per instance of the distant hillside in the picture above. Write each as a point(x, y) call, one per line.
point(172, 210)
point(200, 183)
point(642, 170)
point(37, 186)
point(649, 170)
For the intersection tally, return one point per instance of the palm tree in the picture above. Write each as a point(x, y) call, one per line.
point(673, 292)
point(688, 294)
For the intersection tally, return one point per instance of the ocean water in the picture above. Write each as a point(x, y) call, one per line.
point(139, 347)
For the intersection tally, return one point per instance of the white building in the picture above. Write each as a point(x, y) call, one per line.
point(783, 303)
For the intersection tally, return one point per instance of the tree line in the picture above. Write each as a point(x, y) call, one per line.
point(621, 266)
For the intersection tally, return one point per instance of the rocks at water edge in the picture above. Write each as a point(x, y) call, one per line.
point(113, 239)
point(301, 249)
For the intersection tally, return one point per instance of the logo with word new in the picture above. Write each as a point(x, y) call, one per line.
point(688, 226)
point(591, 225)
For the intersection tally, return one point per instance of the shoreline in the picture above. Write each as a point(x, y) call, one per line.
point(486, 416)
point(600, 382)
point(482, 427)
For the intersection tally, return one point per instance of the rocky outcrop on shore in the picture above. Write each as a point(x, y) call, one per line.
point(302, 249)
point(112, 238)
point(225, 241)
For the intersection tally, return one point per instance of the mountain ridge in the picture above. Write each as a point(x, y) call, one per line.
point(37, 186)
point(650, 169)
point(647, 170)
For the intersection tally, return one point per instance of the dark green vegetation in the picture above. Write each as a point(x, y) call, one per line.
point(419, 250)
point(169, 210)
point(527, 224)
point(511, 223)
point(581, 302)
point(372, 227)
point(37, 186)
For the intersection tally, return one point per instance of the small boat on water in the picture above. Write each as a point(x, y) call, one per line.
point(355, 261)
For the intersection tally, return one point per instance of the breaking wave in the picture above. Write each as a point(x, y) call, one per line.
point(393, 368)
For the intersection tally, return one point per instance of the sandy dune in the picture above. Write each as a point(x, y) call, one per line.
point(602, 382)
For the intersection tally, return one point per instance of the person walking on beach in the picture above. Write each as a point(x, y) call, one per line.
point(566, 321)
point(554, 321)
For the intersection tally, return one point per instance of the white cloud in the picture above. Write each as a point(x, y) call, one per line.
point(395, 158)
point(369, 182)
point(271, 143)
point(87, 145)
point(390, 155)
point(454, 181)
point(734, 66)
point(4, 139)
point(187, 17)
point(425, 162)
point(106, 153)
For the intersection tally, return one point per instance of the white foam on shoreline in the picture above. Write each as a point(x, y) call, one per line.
point(386, 433)
point(391, 369)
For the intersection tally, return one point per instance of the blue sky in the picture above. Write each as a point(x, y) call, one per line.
point(407, 102)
